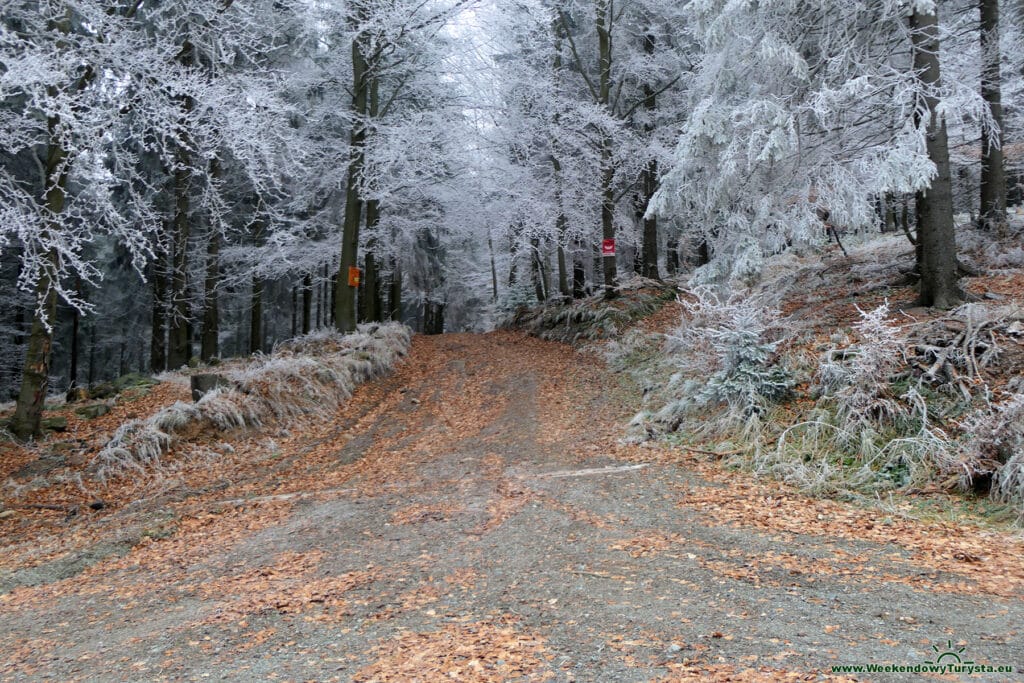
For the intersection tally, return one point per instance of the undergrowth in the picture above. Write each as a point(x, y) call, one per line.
point(309, 375)
point(589, 319)
point(883, 406)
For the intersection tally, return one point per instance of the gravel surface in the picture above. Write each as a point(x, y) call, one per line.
point(473, 518)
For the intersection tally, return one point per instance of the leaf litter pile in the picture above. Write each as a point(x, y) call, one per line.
point(474, 517)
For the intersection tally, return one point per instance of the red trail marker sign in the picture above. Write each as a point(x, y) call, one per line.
point(608, 247)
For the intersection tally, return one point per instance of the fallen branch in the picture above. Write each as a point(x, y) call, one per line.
point(717, 454)
point(589, 472)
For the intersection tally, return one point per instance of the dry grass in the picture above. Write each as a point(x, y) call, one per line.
point(310, 375)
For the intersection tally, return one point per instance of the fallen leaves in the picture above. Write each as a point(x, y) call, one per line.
point(480, 652)
point(420, 513)
point(647, 544)
point(289, 586)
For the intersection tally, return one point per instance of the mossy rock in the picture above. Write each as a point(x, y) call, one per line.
point(134, 379)
point(103, 390)
point(132, 393)
point(76, 394)
point(91, 412)
point(56, 423)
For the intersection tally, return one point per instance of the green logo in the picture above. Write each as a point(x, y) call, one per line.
point(949, 655)
point(948, 660)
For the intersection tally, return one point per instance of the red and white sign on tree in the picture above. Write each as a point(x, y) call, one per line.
point(608, 247)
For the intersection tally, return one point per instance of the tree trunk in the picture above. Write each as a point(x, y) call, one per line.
point(371, 297)
point(321, 300)
point(560, 221)
point(210, 344)
point(649, 182)
point(993, 177)
point(90, 375)
point(344, 295)
point(307, 303)
point(936, 234)
point(28, 411)
point(890, 212)
point(494, 269)
point(35, 375)
point(512, 258)
point(158, 332)
point(179, 343)
point(604, 40)
point(295, 311)
point(395, 291)
point(537, 270)
point(76, 320)
point(579, 273)
point(433, 317)
point(256, 316)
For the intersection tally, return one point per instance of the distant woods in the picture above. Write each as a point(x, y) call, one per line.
point(181, 182)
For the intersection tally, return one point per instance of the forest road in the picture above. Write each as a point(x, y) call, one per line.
point(474, 518)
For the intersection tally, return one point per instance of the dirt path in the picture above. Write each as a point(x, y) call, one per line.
point(472, 518)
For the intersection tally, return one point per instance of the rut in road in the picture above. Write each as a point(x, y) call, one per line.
point(474, 518)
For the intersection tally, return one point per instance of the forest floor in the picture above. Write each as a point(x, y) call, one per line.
point(474, 517)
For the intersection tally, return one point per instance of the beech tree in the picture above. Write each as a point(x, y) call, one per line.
point(58, 97)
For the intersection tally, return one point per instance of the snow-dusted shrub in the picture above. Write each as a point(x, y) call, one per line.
point(822, 458)
point(1008, 482)
point(858, 376)
point(993, 447)
point(136, 446)
point(293, 385)
point(228, 409)
point(310, 374)
point(588, 319)
point(726, 361)
point(174, 417)
point(865, 433)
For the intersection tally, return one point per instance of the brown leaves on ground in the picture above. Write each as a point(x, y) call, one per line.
point(420, 513)
point(477, 652)
point(289, 586)
point(994, 569)
point(647, 544)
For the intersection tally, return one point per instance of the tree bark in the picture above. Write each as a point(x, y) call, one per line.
point(395, 291)
point(537, 270)
point(28, 411)
point(433, 317)
point(35, 376)
point(158, 332)
point(992, 213)
point(210, 344)
point(579, 272)
point(179, 343)
point(307, 302)
point(76, 321)
point(604, 40)
point(494, 269)
point(936, 234)
point(649, 182)
point(344, 295)
point(256, 316)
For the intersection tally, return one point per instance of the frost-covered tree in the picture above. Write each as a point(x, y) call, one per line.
point(62, 67)
point(812, 110)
